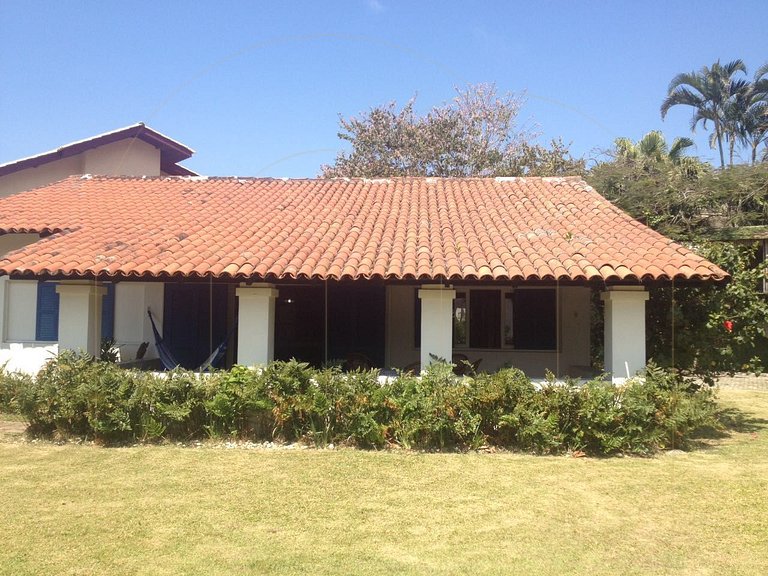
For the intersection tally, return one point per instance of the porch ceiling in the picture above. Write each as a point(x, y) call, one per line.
point(516, 229)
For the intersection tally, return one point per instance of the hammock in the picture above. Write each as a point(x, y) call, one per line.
point(167, 358)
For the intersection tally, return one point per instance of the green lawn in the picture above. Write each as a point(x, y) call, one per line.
point(168, 510)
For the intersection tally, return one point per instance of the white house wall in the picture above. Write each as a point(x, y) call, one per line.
point(40, 176)
point(130, 157)
point(21, 304)
point(9, 242)
point(18, 350)
point(18, 302)
point(132, 327)
point(574, 326)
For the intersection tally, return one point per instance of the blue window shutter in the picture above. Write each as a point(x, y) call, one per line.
point(108, 313)
point(47, 320)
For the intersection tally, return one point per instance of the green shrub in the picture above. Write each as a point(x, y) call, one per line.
point(434, 410)
point(492, 397)
point(55, 401)
point(13, 386)
point(170, 404)
point(543, 421)
point(289, 388)
point(682, 406)
point(76, 395)
point(348, 408)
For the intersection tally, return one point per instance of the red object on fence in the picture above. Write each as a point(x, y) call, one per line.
point(728, 325)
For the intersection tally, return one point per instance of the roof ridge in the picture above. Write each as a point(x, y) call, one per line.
point(392, 179)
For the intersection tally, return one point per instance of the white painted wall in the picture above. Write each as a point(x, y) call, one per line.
point(436, 324)
point(40, 176)
point(624, 331)
point(21, 304)
point(256, 324)
point(18, 349)
point(573, 357)
point(9, 242)
point(18, 303)
point(132, 325)
point(130, 157)
point(26, 357)
point(80, 306)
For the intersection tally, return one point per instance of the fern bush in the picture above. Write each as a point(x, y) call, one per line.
point(13, 385)
point(76, 395)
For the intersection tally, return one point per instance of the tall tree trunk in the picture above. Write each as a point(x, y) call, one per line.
point(719, 135)
point(731, 145)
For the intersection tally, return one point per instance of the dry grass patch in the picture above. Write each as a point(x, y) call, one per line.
point(168, 510)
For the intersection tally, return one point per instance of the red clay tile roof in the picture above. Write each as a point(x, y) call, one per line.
point(400, 228)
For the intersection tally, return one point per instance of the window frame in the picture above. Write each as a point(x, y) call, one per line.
point(506, 295)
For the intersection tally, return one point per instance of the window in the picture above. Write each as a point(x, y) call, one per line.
point(535, 319)
point(108, 313)
point(460, 315)
point(47, 315)
point(524, 319)
point(485, 318)
point(47, 320)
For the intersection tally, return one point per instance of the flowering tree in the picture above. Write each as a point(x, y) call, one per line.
point(476, 134)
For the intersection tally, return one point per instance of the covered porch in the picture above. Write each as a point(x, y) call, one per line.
point(356, 324)
point(362, 324)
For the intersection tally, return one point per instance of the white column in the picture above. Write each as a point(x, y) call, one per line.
point(3, 331)
point(436, 323)
point(624, 331)
point(80, 317)
point(256, 324)
point(132, 327)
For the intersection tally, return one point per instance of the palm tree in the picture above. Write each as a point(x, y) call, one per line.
point(754, 122)
point(652, 148)
point(709, 91)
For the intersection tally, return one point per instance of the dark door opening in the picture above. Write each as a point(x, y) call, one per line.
point(356, 319)
point(300, 324)
point(356, 322)
point(195, 321)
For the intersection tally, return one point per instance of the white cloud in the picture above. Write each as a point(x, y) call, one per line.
point(376, 6)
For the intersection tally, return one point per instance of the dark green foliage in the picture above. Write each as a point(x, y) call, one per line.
point(12, 386)
point(434, 410)
point(696, 205)
point(689, 333)
point(75, 395)
point(237, 404)
point(326, 406)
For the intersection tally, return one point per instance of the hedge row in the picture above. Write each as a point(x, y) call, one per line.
point(75, 395)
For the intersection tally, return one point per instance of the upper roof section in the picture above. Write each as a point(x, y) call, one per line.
point(171, 151)
point(506, 229)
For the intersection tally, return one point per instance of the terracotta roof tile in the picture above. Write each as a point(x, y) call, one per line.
point(400, 228)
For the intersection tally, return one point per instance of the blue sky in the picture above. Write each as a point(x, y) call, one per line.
point(256, 87)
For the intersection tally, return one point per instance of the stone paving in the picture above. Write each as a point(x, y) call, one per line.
point(744, 382)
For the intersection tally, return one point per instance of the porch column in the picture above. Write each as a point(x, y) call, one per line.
point(436, 323)
point(80, 317)
point(256, 324)
point(132, 327)
point(624, 331)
